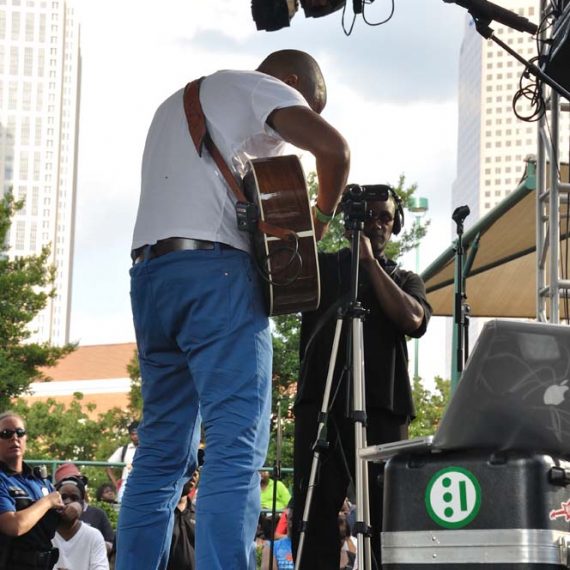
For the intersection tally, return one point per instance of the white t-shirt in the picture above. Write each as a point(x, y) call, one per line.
point(117, 457)
point(86, 550)
point(183, 194)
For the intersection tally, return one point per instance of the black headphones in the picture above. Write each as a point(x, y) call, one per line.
point(381, 193)
point(399, 213)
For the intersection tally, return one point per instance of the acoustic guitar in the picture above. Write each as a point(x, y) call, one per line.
point(289, 267)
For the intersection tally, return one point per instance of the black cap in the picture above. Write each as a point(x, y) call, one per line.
point(77, 481)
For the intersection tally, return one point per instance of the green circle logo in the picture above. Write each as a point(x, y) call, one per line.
point(453, 497)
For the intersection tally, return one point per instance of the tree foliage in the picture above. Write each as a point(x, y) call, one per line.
point(429, 406)
point(59, 432)
point(26, 284)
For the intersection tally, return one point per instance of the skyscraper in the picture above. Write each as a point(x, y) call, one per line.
point(40, 67)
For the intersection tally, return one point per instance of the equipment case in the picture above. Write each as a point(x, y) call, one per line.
point(507, 510)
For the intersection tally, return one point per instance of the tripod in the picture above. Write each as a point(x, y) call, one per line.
point(461, 308)
point(354, 207)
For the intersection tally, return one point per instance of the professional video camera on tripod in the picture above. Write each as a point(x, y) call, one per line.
point(376, 307)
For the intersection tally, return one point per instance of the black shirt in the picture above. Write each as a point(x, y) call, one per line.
point(386, 356)
point(182, 555)
point(97, 518)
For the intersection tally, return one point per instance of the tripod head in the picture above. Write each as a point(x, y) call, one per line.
point(353, 207)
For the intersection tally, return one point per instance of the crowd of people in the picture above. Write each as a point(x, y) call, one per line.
point(205, 350)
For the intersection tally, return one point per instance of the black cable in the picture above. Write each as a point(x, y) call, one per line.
point(269, 275)
point(365, 3)
point(347, 33)
point(387, 19)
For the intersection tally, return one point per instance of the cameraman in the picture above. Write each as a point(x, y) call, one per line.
point(28, 503)
point(397, 305)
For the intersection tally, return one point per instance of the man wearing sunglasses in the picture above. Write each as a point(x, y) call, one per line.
point(28, 504)
point(398, 307)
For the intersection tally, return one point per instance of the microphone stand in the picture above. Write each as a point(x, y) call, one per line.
point(482, 16)
point(461, 308)
point(276, 477)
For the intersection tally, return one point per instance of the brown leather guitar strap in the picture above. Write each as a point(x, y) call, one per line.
point(201, 137)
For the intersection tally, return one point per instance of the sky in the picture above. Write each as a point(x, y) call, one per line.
point(392, 93)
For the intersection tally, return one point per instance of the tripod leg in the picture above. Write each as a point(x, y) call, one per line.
point(361, 468)
point(320, 442)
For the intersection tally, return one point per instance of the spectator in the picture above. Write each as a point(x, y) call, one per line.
point(93, 516)
point(28, 503)
point(283, 495)
point(81, 547)
point(106, 493)
point(182, 555)
point(282, 549)
point(124, 454)
point(282, 499)
point(69, 469)
point(348, 544)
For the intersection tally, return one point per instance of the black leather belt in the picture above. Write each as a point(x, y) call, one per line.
point(168, 245)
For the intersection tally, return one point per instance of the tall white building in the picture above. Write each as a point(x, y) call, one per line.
point(40, 66)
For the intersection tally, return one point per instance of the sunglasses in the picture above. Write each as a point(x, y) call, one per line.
point(8, 433)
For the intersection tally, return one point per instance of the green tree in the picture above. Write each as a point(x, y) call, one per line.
point(135, 394)
point(26, 284)
point(429, 406)
point(57, 432)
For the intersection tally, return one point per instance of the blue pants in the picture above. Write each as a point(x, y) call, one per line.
point(205, 350)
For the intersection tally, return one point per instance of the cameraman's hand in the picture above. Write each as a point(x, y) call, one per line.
point(366, 254)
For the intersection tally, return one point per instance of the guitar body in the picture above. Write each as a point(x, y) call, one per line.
point(277, 186)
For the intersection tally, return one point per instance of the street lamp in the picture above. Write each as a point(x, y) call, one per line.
point(418, 206)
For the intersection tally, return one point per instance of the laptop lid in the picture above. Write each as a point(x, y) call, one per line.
point(383, 451)
point(513, 393)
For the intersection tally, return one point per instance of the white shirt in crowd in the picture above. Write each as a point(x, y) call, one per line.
point(85, 550)
point(117, 457)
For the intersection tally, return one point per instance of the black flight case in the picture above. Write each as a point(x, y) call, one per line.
point(467, 509)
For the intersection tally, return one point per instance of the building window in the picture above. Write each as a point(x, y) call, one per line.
point(20, 235)
point(15, 24)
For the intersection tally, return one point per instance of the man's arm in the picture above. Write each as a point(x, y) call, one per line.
point(115, 458)
point(111, 476)
point(402, 309)
point(307, 130)
point(17, 523)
